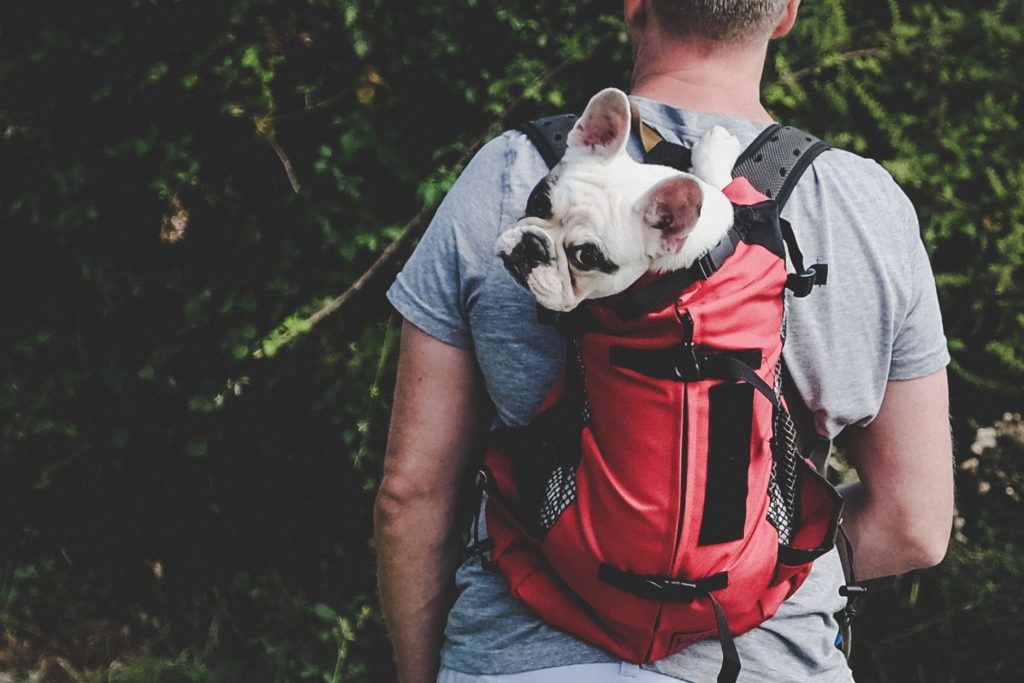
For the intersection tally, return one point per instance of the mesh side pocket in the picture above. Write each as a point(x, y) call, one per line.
point(545, 470)
point(545, 465)
point(783, 488)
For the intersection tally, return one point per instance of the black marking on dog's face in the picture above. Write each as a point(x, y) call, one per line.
point(539, 203)
point(588, 256)
point(532, 251)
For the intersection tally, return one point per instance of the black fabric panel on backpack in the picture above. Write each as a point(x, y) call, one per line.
point(730, 419)
point(760, 225)
point(775, 160)
point(550, 135)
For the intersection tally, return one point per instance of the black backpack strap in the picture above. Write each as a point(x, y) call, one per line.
point(773, 163)
point(775, 160)
point(549, 135)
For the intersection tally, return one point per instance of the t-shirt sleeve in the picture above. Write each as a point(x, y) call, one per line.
point(432, 289)
point(919, 346)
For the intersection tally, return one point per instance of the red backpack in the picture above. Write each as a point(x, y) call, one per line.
point(657, 498)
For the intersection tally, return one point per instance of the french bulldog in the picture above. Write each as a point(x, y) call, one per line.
point(599, 220)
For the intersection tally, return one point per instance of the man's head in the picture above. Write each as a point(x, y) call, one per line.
point(715, 21)
point(707, 55)
point(720, 21)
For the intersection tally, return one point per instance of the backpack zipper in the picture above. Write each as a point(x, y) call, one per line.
point(686, 321)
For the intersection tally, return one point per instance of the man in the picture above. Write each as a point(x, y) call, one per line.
point(865, 353)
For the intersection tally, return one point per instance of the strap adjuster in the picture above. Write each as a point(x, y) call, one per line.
point(663, 588)
point(852, 590)
point(706, 265)
point(688, 367)
point(801, 284)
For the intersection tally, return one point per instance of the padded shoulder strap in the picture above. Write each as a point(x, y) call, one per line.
point(549, 135)
point(775, 160)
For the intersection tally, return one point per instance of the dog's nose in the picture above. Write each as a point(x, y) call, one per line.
point(532, 251)
point(535, 249)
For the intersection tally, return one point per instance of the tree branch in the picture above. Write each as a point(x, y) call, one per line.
point(843, 57)
point(265, 127)
point(416, 225)
point(309, 109)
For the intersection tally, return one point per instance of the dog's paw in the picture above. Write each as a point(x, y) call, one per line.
point(714, 156)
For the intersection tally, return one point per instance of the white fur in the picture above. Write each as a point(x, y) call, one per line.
point(599, 195)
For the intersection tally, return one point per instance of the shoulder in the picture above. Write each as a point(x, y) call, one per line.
point(501, 172)
point(852, 205)
point(855, 183)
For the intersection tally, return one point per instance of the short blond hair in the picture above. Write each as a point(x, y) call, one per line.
point(720, 21)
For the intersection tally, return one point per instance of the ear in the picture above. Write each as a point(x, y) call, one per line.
point(787, 19)
point(603, 128)
point(633, 11)
point(672, 207)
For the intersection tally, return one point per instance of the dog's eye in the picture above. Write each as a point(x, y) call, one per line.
point(585, 256)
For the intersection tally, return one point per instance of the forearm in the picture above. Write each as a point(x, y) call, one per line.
point(417, 553)
point(438, 416)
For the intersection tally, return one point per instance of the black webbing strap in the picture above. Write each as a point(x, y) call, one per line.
point(549, 135)
point(775, 160)
point(773, 163)
point(475, 546)
point(662, 588)
point(667, 589)
point(572, 324)
point(666, 288)
point(730, 670)
point(804, 279)
point(686, 363)
point(682, 362)
point(852, 590)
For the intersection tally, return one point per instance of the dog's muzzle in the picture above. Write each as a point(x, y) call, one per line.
point(532, 251)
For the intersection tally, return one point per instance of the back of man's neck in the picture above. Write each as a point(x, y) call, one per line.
point(717, 79)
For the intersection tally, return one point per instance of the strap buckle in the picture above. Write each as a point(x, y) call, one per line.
point(852, 590)
point(706, 265)
point(689, 367)
point(801, 284)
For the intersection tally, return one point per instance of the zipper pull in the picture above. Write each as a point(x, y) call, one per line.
point(688, 369)
point(687, 322)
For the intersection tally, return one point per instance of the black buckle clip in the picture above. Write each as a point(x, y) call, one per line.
point(688, 368)
point(852, 591)
point(706, 265)
point(801, 284)
point(673, 589)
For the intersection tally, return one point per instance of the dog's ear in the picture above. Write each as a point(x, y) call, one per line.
point(672, 207)
point(603, 128)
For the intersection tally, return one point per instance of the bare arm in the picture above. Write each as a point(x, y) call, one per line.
point(438, 414)
point(899, 515)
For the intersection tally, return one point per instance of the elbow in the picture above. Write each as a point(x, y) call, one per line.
point(929, 548)
point(924, 542)
point(393, 503)
point(405, 504)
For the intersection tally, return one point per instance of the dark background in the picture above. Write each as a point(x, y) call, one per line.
point(188, 463)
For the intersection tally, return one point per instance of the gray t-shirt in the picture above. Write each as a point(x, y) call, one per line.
point(876, 320)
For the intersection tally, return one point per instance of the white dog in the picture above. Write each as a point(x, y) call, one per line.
point(599, 220)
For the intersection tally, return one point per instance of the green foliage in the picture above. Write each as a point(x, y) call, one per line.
point(961, 620)
point(932, 91)
point(186, 183)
